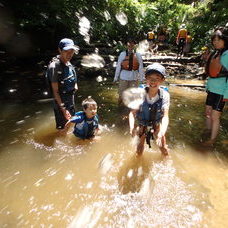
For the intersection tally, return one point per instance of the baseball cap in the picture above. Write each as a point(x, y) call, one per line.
point(156, 67)
point(67, 44)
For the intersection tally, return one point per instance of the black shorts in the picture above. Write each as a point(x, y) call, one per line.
point(216, 101)
point(60, 119)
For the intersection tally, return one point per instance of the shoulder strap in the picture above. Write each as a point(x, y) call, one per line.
point(160, 93)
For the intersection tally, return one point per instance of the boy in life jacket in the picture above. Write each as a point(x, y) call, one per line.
point(217, 83)
point(129, 69)
point(86, 121)
point(152, 117)
point(63, 82)
point(181, 39)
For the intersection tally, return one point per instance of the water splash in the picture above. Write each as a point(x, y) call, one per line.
point(133, 97)
point(122, 18)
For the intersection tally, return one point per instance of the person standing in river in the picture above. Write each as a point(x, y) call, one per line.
point(63, 82)
point(151, 119)
point(217, 83)
point(129, 69)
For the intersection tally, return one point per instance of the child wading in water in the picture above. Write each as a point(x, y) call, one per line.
point(86, 121)
point(152, 115)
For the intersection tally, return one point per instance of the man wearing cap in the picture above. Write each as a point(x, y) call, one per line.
point(129, 69)
point(63, 82)
point(152, 116)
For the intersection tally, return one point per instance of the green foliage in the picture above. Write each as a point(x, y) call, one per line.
point(54, 19)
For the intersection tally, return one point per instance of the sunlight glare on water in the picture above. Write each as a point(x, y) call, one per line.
point(93, 60)
point(133, 97)
point(48, 180)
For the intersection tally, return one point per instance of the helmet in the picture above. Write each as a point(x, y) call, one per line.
point(157, 67)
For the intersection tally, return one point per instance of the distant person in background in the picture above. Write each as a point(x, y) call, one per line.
point(217, 84)
point(63, 82)
point(181, 39)
point(129, 69)
point(162, 37)
point(188, 43)
point(151, 40)
point(204, 56)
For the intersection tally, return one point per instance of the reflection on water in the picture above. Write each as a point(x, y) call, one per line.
point(54, 181)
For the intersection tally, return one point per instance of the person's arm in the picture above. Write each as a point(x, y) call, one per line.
point(224, 59)
point(132, 122)
point(141, 71)
point(55, 89)
point(163, 127)
point(165, 119)
point(67, 125)
point(97, 131)
point(118, 67)
point(178, 34)
point(76, 86)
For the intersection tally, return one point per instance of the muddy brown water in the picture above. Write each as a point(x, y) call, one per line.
point(52, 181)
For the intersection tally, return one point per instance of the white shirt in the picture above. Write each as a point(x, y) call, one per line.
point(133, 75)
point(165, 99)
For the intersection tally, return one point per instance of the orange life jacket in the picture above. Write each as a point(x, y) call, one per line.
point(214, 68)
point(182, 33)
point(130, 62)
point(150, 35)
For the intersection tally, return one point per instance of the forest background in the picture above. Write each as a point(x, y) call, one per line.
point(31, 27)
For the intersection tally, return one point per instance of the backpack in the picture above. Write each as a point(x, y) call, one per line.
point(60, 77)
point(182, 33)
point(214, 68)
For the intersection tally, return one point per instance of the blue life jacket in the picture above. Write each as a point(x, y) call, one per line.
point(67, 77)
point(151, 114)
point(85, 128)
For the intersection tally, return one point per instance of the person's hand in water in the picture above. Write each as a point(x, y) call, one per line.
point(158, 139)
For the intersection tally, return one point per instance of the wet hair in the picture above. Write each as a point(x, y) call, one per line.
point(221, 33)
point(88, 101)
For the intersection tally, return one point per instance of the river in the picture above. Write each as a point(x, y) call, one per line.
point(54, 181)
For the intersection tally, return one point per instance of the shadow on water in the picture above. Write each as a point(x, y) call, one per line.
point(134, 172)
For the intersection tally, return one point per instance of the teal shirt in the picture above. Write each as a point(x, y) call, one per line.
point(220, 85)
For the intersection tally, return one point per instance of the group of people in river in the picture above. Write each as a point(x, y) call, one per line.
point(151, 118)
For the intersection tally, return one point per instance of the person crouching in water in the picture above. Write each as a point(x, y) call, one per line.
point(86, 121)
point(153, 114)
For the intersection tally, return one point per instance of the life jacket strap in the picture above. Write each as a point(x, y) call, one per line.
point(149, 135)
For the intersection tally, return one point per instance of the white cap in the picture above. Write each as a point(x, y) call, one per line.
point(156, 67)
